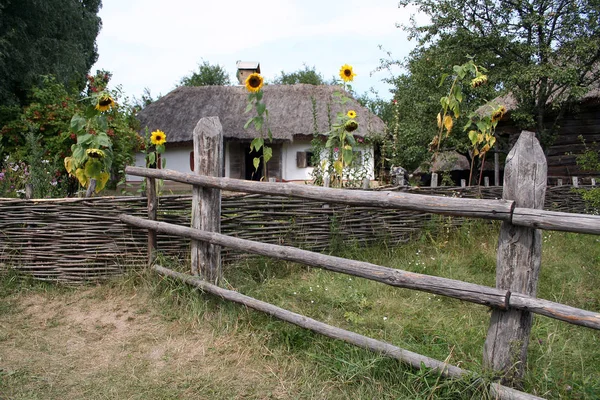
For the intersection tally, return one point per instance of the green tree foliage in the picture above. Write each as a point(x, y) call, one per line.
point(207, 75)
point(38, 38)
point(46, 124)
point(411, 116)
point(307, 75)
point(546, 52)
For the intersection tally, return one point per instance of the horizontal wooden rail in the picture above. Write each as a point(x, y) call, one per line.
point(471, 292)
point(476, 208)
point(394, 277)
point(413, 359)
point(556, 221)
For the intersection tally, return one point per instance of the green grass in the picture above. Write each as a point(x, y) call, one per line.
point(564, 360)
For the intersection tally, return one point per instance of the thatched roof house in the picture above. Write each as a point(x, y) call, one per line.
point(290, 111)
point(296, 112)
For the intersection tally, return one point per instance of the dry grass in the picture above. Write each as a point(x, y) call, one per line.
point(109, 343)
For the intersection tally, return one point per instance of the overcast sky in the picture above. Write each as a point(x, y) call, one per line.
point(153, 44)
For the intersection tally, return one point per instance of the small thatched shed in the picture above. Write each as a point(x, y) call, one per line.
point(296, 112)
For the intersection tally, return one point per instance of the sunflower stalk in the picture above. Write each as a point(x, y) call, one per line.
point(260, 122)
point(92, 155)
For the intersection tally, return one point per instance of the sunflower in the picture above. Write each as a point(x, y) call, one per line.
point(351, 114)
point(498, 113)
point(479, 80)
point(351, 125)
point(105, 103)
point(346, 73)
point(95, 153)
point(158, 137)
point(254, 82)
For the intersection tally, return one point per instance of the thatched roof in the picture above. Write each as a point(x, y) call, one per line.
point(445, 161)
point(510, 102)
point(290, 111)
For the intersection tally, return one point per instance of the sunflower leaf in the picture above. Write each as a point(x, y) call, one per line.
point(248, 123)
point(260, 108)
point(85, 138)
point(256, 144)
point(248, 107)
point(267, 153)
point(77, 123)
point(256, 163)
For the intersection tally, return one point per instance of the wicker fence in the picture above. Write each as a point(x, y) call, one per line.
point(79, 240)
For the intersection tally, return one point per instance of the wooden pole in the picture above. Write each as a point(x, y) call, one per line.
point(206, 202)
point(518, 261)
point(408, 357)
point(477, 208)
point(152, 207)
point(471, 292)
point(91, 188)
point(502, 210)
point(496, 168)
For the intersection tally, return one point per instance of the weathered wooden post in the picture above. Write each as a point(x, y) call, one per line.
point(434, 179)
point(206, 202)
point(152, 207)
point(518, 260)
point(91, 188)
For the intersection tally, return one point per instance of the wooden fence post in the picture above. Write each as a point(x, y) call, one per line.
point(206, 203)
point(434, 179)
point(518, 261)
point(152, 206)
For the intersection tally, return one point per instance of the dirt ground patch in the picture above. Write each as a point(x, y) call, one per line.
point(102, 343)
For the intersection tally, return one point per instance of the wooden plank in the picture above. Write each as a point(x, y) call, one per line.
point(206, 204)
point(415, 360)
point(477, 208)
point(518, 261)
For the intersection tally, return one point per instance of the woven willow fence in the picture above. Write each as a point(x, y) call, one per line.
point(82, 240)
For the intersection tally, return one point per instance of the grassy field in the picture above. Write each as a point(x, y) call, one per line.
point(143, 336)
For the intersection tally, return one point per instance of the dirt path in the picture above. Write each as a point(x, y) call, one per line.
point(106, 343)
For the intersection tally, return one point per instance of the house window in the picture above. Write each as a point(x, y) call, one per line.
point(304, 159)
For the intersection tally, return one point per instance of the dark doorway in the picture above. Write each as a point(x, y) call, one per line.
point(253, 174)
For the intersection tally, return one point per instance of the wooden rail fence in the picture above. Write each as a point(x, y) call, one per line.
point(513, 300)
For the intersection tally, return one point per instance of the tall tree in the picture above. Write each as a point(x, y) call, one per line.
point(546, 52)
point(49, 37)
point(207, 75)
point(307, 75)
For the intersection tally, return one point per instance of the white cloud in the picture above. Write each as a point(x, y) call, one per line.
point(155, 43)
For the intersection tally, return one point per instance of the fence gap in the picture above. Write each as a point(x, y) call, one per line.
point(518, 261)
point(575, 181)
point(206, 202)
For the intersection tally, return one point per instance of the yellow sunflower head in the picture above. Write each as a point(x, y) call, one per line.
point(498, 113)
point(158, 137)
point(479, 80)
point(95, 153)
point(254, 82)
point(105, 103)
point(351, 114)
point(346, 73)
